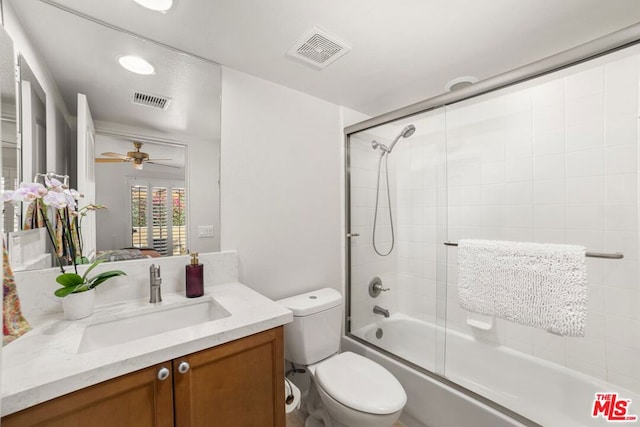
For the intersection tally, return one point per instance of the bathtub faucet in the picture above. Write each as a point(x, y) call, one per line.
point(379, 310)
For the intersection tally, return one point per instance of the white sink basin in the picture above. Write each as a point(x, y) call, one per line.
point(150, 321)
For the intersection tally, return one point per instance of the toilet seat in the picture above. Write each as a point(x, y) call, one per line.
point(360, 383)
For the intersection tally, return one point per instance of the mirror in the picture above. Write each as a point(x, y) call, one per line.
point(8, 131)
point(174, 113)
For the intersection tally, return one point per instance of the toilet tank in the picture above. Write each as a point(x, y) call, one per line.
point(315, 331)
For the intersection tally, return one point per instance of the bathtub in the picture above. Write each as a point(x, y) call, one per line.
point(546, 393)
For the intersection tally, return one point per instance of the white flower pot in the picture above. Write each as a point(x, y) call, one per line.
point(80, 305)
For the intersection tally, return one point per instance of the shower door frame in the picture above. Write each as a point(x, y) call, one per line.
point(618, 40)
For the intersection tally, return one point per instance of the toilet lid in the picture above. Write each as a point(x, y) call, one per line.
point(360, 384)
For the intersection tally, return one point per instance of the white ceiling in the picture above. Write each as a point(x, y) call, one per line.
point(402, 51)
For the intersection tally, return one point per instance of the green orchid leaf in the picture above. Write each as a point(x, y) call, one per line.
point(82, 288)
point(95, 263)
point(63, 292)
point(95, 281)
point(69, 280)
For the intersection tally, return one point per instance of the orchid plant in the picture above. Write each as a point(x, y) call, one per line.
point(66, 235)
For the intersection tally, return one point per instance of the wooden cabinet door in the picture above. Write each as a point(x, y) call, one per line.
point(138, 399)
point(240, 383)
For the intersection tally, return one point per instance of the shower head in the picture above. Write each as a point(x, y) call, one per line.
point(405, 133)
point(408, 131)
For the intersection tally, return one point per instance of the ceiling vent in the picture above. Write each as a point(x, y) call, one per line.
point(148, 100)
point(318, 48)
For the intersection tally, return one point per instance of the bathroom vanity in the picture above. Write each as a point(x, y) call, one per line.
point(226, 371)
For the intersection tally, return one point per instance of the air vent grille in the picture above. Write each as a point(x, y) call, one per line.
point(318, 48)
point(148, 100)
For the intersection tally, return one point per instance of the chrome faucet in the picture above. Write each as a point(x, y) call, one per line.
point(155, 295)
point(379, 310)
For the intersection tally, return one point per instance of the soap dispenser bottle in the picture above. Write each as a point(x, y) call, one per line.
point(194, 277)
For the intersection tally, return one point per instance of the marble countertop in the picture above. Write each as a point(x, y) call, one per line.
point(45, 362)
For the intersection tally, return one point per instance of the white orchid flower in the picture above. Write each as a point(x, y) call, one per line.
point(55, 199)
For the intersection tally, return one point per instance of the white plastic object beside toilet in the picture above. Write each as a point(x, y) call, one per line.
point(346, 389)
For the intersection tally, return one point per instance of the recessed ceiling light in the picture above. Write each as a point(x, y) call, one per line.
point(157, 5)
point(460, 83)
point(137, 65)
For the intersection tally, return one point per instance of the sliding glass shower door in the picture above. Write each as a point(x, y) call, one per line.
point(397, 224)
point(552, 160)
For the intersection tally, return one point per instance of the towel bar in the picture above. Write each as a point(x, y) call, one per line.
point(616, 255)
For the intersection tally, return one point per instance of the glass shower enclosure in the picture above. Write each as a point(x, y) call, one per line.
point(553, 159)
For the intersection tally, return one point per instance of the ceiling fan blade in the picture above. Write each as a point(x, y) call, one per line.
point(118, 155)
point(153, 160)
point(103, 160)
point(162, 164)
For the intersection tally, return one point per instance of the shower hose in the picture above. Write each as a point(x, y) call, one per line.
point(383, 157)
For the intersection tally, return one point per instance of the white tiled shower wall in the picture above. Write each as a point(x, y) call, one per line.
point(556, 161)
point(421, 191)
point(551, 160)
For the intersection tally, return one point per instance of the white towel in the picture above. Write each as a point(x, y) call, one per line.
point(534, 284)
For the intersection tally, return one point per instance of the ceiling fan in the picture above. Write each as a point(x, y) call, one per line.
point(137, 157)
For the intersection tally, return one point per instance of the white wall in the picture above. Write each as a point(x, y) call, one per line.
point(59, 153)
point(281, 179)
point(203, 193)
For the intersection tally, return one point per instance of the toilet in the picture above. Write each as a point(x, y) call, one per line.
point(347, 390)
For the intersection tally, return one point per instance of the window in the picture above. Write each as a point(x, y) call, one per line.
point(179, 231)
point(158, 216)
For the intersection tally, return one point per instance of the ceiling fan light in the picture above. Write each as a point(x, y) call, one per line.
point(138, 165)
point(156, 5)
point(137, 65)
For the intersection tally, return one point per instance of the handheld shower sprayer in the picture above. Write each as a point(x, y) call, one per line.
point(405, 133)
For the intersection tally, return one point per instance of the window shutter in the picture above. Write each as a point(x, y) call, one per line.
point(139, 197)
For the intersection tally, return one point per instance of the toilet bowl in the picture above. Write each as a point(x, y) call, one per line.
point(356, 392)
point(346, 389)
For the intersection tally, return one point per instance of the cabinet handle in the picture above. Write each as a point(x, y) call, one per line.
point(183, 367)
point(163, 374)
